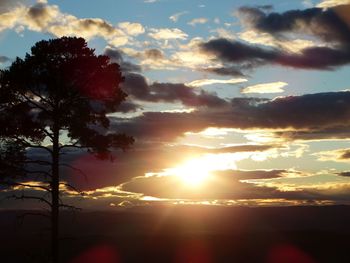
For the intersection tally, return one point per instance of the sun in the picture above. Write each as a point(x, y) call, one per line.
point(192, 173)
point(198, 171)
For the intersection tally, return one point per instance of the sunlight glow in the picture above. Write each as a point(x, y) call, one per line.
point(196, 172)
point(193, 172)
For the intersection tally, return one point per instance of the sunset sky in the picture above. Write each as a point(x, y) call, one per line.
point(229, 103)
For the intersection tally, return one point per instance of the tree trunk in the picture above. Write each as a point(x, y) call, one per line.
point(55, 198)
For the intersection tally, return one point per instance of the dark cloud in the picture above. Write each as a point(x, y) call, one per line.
point(225, 71)
point(228, 149)
point(310, 111)
point(345, 155)
point(90, 23)
point(128, 106)
point(171, 92)
point(39, 14)
point(326, 24)
point(233, 51)
point(316, 58)
point(90, 172)
point(227, 185)
point(345, 174)
point(306, 113)
point(116, 56)
point(265, 7)
point(159, 126)
point(4, 59)
point(247, 56)
point(142, 158)
point(341, 132)
point(136, 86)
point(154, 54)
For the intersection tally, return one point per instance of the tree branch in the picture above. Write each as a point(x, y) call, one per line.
point(46, 133)
point(71, 207)
point(22, 197)
point(27, 185)
point(30, 145)
point(41, 97)
point(34, 103)
point(72, 188)
point(40, 162)
point(74, 145)
point(75, 169)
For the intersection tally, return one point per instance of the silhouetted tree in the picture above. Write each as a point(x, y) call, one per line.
point(57, 97)
point(12, 161)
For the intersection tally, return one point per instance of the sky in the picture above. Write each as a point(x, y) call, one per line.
point(229, 102)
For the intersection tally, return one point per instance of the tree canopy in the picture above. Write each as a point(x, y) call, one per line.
point(62, 85)
point(58, 96)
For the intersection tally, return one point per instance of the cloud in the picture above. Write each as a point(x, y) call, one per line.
point(306, 113)
point(191, 150)
point(221, 185)
point(150, 1)
point(336, 189)
point(196, 21)
point(339, 155)
point(332, 3)
point(137, 87)
point(247, 56)
point(307, 3)
point(191, 59)
point(116, 56)
point(231, 185)
point(273, 87)
point(224, 33)
point(341, 132)
point(175, 17)
point(4, 59)
point(345, 173)
point(167, 33)
point(325, 24)
point(145, 158)
point(204, 82)
point(151, 58)
point(7, 5)
point(225, 71)
point(9, 19)
point(128, 106)
point(234, 51)
point(133, 29)
point(46, 18)
point(266, 39)
point(154, 54)
point(323, 43)
point(310, 111)
point(135, 184)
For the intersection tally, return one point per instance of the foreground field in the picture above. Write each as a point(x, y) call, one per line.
point(184, 234)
